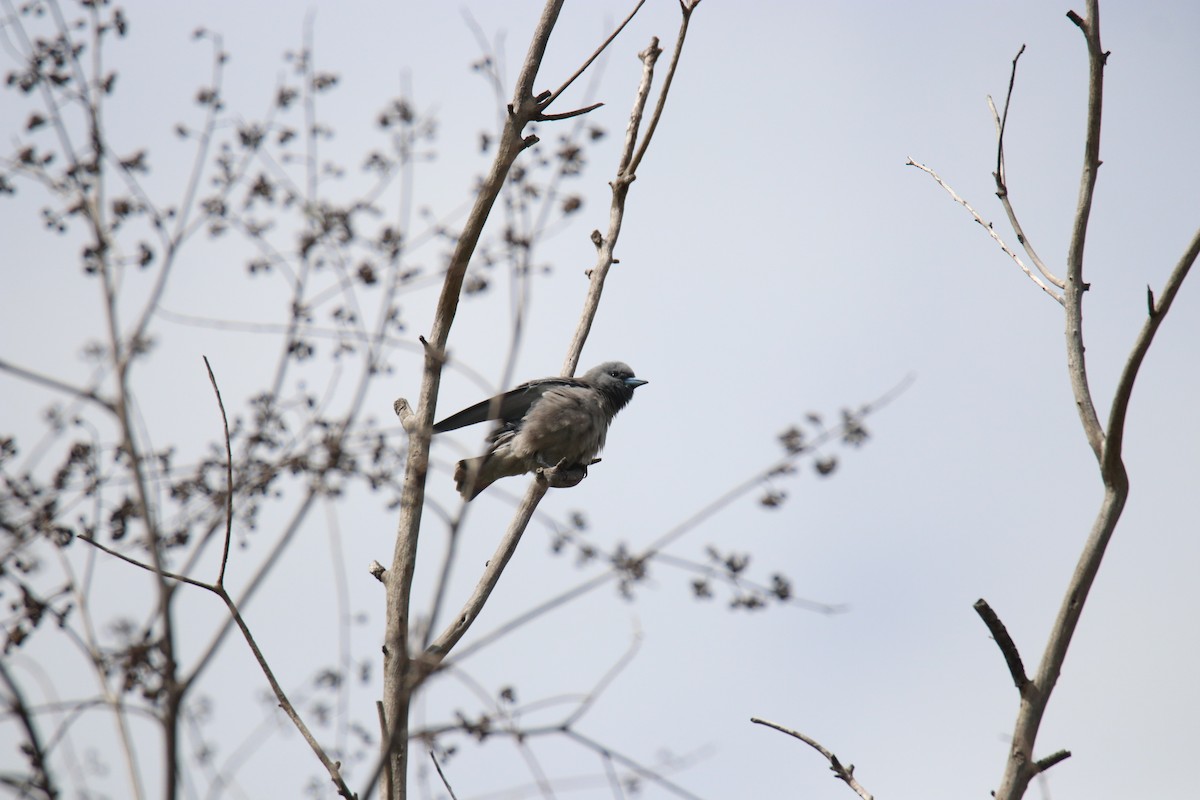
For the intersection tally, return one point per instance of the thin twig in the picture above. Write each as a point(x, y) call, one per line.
point(228, 474)
point(1002, 181)
point(442, 775)
point(686, 8)
point(605, 680)
point(582, 69)
point(332, 767)
point(57, 385)
point(651, 775)
point(579, 112)
point(986, 226)
point(842, 773)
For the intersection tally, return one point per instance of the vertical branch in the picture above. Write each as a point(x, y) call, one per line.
point(398, 685)
point(1073, 295)
point(686, 7)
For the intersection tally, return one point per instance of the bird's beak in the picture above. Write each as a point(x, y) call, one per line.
point(633, 383)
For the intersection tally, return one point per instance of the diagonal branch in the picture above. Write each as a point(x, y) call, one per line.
point(842, 773)
point(437, 650)
point(331, 766)
point(582, 69)
point(986, 226)
point(1008, 648)
point(1157, 313)
point(32, 748)
point(59, 386)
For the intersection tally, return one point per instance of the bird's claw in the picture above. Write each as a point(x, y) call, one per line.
point(562, 475)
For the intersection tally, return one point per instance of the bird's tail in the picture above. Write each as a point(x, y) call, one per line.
point(469, 477)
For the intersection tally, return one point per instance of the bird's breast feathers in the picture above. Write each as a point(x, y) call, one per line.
point(569, 423)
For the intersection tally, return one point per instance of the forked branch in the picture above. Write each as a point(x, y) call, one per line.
point(403, 671)
point(1002, 180)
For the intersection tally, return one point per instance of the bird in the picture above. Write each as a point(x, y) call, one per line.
point(543, 423)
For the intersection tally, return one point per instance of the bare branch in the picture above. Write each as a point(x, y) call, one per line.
point(57, 385)
point(228, 475)
point(1043, 764)
point(582, 69)
point(686, 7)
point(1158, 312)
point(986, 226)
point(398, 683)
point(1076, 362)
point(616, 215)
point(616, 669)
point(645, 772)
point(332, 767)
point(579, 112)
point(442, 775)
point(1002, 180)
point(1011, 656)
point(32, 748)
point(842, 773)
point(487, 582)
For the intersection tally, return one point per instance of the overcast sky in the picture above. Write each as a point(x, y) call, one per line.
point(778, 257)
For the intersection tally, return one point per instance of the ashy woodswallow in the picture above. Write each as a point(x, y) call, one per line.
point(543, 423)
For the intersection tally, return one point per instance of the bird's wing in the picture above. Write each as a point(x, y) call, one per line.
point(510, 406)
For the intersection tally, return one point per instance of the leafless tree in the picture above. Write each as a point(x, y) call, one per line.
point(1105, 438)
point(107, 495)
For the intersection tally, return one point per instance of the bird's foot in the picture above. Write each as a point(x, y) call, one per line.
point(563, 475)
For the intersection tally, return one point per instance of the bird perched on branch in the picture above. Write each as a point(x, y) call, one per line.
point(552, 422)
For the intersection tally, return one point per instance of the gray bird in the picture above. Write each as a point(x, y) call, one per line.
point(543, 423)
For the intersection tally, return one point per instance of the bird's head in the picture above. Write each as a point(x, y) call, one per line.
point(615, 380)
